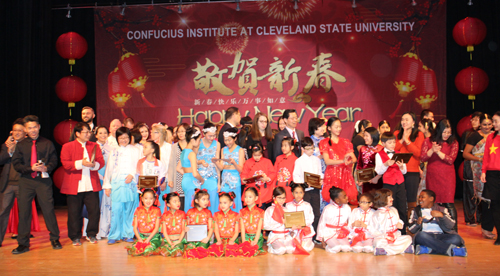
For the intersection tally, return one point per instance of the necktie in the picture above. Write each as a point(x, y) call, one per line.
point(33, 157)
point(293, 135)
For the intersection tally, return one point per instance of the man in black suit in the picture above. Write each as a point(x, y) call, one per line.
point(232, 118)
point(291, 119)
point(88, 116)
point(9, 180)
point(35, 157)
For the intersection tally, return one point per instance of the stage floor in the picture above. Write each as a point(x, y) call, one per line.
point(100, 258)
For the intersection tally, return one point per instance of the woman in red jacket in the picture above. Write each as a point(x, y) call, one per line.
point(259, 165)
point(409, 140)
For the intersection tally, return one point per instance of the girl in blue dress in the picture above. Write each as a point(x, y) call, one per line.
point(231, 181)
point(191, 179)
point(209, 149)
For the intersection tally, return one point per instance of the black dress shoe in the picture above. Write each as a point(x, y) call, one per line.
point(56, 244)
point(497, 242)
point(21, 249)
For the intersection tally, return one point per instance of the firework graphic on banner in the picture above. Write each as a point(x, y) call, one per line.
point(284, 10)
point(231, 44)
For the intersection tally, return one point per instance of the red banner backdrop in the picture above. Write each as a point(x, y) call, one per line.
point(324, 59)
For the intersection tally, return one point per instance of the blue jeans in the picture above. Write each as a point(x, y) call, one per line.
point(439, 243)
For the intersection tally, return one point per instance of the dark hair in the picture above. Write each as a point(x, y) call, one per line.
point(99, 127)
point(207, 124)
point(88, 107)
point(362, 123)
point(414, 131)
point(279, 191)
point(430, 193)
point(31, 118)
point(294, 186)
point(306, 142)
point(314, 124)
point(232, 130)
point(288, 140)
point(287, 112)
point(437, 136)
point(386, 136)
point(380, 197)
point(230, 195)
point(428, 123)
point(278, 123)
point(128, 120)
point(80, 126)
point(483, 117)
point(476, 114)
point(149, 191)
point(367, 195)
point(169, 196)
point(257, 147)
point(330, 122)
point(374, 134)
point(198, 193)
point(381, 123)
point(495, 132)
point(140, 125)
point(156, 148)
point(425, 113)
point(18, 121)
point(268, 132)
point(136, 134)
point(120, 131)
point(190, 134)
point(247, 120)
point(185, 126)
point(334, 192)
point(229, 112)
point(253, 190)
point(243, 135)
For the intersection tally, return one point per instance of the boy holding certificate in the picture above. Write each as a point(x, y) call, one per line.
point(392, 172)
point(308, 163)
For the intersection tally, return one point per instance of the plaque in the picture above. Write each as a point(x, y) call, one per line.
point(295, 219)
point(313, 180)
point(147, 181)
point(196, 233)
point(92, 159)
point(252, 179)
point(404, 157)
point(365, 175)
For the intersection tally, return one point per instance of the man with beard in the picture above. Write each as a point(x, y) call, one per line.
point(88, 116)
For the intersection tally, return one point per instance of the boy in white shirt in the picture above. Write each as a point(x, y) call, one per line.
point(311, 164)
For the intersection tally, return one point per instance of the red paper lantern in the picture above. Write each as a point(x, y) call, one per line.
point(464, 124)
point(468, 32)
point(461, 171)
point(118, 90)
point(133, 70)
point(427, 90)
point(71, 89)
point(71, 46)
point(62, 131)
point(58, 177)
point(407, 75)
point(471, 81)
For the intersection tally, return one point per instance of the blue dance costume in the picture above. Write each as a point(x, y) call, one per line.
point(231, 181)
point(209, 174)
point(189, 182)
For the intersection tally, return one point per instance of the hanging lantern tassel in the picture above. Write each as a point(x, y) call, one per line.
point(146, 101)
point(123, 113)
point(397, 109)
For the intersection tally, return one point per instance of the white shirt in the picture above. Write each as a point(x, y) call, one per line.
point(380, 168)
point(293, 132)
point(112, 141)
point(333, 215)
point(305, 207)
point(431, 227)
point(305, 163)
point(121, 161)
point(85, 184)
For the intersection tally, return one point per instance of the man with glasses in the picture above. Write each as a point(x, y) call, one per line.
point(291, 119)
point(81, 160)
point(35, 157)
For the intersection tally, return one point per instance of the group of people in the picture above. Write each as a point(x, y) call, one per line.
point(240, 181)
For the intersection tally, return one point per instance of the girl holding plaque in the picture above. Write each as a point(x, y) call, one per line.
point(209, 149)
point(150, 165)
point(366, 158)
point(199, 215)
point(303, 235)
point(231, 165)
point(258, 165)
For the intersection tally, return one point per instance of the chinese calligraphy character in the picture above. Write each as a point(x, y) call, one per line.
point(197, 102)
point(248, 80)
point(276, 80)
point(210, 81)
point(321, 72)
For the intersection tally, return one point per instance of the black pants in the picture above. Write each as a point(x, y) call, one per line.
point(472, 210)
point(399, 195)
point(495, 211)
point(487, 216)
point(6, 201)
point(313, 197)
point(412, 181)
point(264, 206)
point(28, 189)
point(75, 218)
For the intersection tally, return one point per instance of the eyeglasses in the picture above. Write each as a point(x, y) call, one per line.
point(84, 132)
